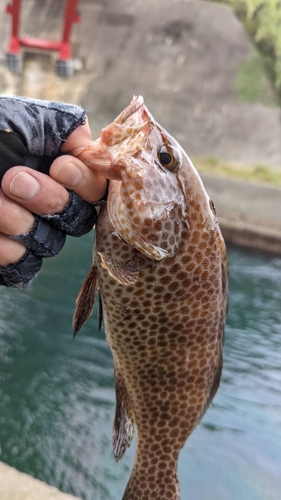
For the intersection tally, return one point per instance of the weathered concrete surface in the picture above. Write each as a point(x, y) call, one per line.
point(183, 56)
point(249, 214)
point(15, 485)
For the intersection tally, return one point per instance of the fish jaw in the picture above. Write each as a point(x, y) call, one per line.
point(125, 135)
point(99, 159)
point(127, 125)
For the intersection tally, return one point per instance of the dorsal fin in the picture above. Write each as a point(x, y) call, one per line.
point(85, 300)
point(123, 428)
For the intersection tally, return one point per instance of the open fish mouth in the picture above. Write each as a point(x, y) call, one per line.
point(126, 135)
point(134, 112)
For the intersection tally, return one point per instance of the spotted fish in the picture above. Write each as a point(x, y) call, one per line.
point(161, 267)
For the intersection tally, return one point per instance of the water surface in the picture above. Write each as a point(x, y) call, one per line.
point(57, 395)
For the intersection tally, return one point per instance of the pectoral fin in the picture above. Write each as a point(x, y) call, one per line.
point(125, 273)
point(123, 428)
point(85, 300)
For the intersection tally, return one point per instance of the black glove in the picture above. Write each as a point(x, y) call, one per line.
point(31, 134)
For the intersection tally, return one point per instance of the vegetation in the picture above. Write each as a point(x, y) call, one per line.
point(260, 173)
point(252, 81)
point(262, 19)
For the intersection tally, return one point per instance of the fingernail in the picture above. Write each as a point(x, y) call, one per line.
point(69, 174)
point(24, 186)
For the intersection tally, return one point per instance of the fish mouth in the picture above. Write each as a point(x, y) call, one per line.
point(136, 107)
point(135, 113)
point(126, 135)
point(133, 120)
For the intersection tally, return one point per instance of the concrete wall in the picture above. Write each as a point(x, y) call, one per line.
point(249, 214)
point(15, 485)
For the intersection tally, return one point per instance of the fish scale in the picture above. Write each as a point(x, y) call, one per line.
point(164, 314)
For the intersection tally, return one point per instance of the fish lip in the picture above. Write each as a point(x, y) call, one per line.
point(130, 129)
point(135, 109)
point(136, 105)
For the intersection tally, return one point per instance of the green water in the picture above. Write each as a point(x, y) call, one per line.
point(57, 395)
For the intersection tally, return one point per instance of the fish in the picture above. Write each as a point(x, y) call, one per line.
point(160, 270)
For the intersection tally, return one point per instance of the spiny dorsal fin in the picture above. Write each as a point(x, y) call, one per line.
point(85, 300)
point(123, 428)
point(125, 273)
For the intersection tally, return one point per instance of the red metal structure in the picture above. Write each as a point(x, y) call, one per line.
point(64, 62)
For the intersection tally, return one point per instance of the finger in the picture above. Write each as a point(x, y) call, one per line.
point(13, 217)
point(74, 174)
point(19, 273)
point(80, 137)
point(43, 196)
point(35, 191)
point(10, 251)
point(34, 233)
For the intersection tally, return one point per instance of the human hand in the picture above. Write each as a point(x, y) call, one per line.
point(28, 193)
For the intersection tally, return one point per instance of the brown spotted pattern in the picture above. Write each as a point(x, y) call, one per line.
point(165, 325)
point(165, 332)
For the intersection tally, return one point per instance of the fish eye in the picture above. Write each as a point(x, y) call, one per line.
point(168, 158)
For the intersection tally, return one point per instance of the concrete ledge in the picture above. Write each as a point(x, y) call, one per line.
point(249, 214)
point(250, 235)
point(15, 485)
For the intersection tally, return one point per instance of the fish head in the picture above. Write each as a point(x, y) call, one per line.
point(146, 202)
